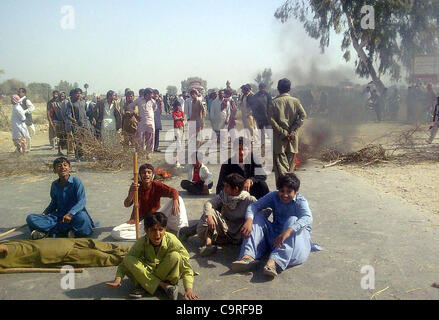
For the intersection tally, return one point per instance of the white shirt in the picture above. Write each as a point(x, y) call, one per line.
point(181, 100)
point(219, 117)
point(188, 108)
point(18, 127)
point(30, 106)
point(109, 120)
point(205, 174)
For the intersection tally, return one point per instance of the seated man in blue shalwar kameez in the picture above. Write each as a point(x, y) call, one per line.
point(287, 240)
point(66, 214)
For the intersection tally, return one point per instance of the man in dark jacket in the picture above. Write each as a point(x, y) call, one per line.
point(76, 122)
point(245, 165)
point(259, 105)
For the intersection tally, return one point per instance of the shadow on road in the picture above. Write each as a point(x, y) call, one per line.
point(101, 291)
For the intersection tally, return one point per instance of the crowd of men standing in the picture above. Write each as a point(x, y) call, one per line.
point(136, 122)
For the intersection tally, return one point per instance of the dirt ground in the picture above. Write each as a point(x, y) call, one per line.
point(414, 182)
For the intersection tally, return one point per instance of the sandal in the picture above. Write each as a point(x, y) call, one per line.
point(243, 265)
point(207, 250)
point(138, 292)
point(172, 292)
point(270, 271)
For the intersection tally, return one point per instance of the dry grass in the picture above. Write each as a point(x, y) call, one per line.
point(5, 124)
point(38, 116)
point(13, 164)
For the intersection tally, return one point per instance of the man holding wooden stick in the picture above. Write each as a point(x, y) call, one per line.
point(150, 193)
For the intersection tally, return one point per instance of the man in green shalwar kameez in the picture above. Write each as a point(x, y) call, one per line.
point(49, 252)
point(157, 260)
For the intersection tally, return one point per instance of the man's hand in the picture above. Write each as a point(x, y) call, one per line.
point(115, 283)
point(93, 122)
point(210, 223)
point(279, 241)
point(247, 185)
point(134, 187)
point(67, 218)
point(131, 221)
point(246, 228)
point(190, 295)
point(175, 208)
point(291, 136)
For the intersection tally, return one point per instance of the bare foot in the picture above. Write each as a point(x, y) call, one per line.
point(248, 257)
point(115, 283)
point(3, 251)
point(164, 285)
point(271, 263)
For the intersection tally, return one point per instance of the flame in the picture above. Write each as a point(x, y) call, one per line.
point(297, 162)
point(162, 173)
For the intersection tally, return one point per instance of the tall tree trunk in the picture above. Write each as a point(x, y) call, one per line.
point(362, 55)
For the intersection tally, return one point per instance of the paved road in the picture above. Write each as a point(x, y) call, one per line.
point(356, 224)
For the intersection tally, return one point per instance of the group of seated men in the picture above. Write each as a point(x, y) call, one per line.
point(238, 214)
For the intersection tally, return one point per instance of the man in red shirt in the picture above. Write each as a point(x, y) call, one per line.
point(150, 193)
point(178, 116)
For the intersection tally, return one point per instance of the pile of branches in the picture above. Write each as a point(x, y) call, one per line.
point(368, 155)
point(116, 157)
point(104, 156)
point(410, 146)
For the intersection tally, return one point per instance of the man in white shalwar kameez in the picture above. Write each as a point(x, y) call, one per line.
point(19, 129)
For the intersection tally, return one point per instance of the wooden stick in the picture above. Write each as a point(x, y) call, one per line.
point(332, 164)
point(37, 270)
point(136, 195)
point(12, 230)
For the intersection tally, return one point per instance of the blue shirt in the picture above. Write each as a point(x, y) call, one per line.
point(295, 214)
point(67, 199)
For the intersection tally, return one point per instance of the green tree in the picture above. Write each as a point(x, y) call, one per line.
point(64, 86)
point(11, 86)
point(171, 90)
point(39, 91)
point(265, 77)
point(402, 30)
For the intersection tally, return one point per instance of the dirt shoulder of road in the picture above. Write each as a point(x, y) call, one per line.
point(416, 184)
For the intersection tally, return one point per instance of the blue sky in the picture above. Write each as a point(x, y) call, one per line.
point(118, 44)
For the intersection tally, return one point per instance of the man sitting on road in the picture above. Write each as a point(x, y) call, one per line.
point(150, 193)
point(66, 214)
